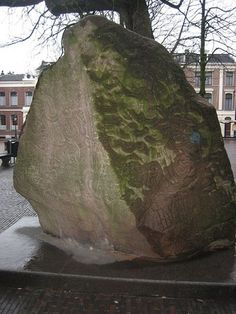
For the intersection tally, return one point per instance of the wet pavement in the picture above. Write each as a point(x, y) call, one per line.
point(26, 247)
point(23, 247)
point(54, 301)
point(230, 146)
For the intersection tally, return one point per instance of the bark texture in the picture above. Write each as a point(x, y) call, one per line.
point(18, 3)
point(134, 12)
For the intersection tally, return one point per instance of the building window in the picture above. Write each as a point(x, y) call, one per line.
point(14, 99)
point(208, 79)
point(229, 79)
point(180, 58)
point(3, 124)
point(28, 98)
point(208, 97)
point(2, 99)
point(228, 101)
point(197, 79)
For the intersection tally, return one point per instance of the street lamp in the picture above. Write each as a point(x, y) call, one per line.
point(15, 124)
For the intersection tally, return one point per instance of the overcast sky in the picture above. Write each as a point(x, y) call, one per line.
point(27, 56)
point(22, 58)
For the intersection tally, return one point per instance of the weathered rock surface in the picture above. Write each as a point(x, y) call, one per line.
point(118, 152)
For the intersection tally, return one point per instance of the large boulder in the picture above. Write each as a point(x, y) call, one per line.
point(119, 152)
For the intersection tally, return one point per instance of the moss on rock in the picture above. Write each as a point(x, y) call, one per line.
point(137, 150)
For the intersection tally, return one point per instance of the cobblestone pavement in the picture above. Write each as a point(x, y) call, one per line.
point(12, 205)
point(53, 301)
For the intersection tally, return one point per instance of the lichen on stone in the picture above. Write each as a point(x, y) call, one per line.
point(124, 151)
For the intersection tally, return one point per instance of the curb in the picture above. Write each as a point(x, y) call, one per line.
point(114, 285)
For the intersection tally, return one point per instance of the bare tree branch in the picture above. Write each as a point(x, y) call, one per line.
point(58, 7)
point(181, 29)
point(18, 3)
point(172, 5)
point(18, 40)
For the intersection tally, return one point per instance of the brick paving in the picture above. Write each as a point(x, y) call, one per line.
point(50, 301)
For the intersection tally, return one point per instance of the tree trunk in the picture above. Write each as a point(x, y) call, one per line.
point(136, 17)
point(18, 3)
point(203, 61)
point(134, 13)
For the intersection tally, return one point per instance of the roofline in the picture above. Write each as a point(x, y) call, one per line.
point(28, 82)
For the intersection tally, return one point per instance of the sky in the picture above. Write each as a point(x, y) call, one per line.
point(26, 56)
point(23, 57)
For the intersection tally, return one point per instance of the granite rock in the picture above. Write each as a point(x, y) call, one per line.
point(119, 153)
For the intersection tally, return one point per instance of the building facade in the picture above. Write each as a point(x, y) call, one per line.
point(16, 93)
point(220, 86)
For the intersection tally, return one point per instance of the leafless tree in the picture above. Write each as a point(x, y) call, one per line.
point(211, 27)
point(134, 13)
point(178, 24)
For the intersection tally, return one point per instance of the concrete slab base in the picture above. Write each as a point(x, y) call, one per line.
point(25, 247)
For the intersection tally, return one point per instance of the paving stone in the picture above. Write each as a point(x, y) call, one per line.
point(50, 301)
point(12, 205)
